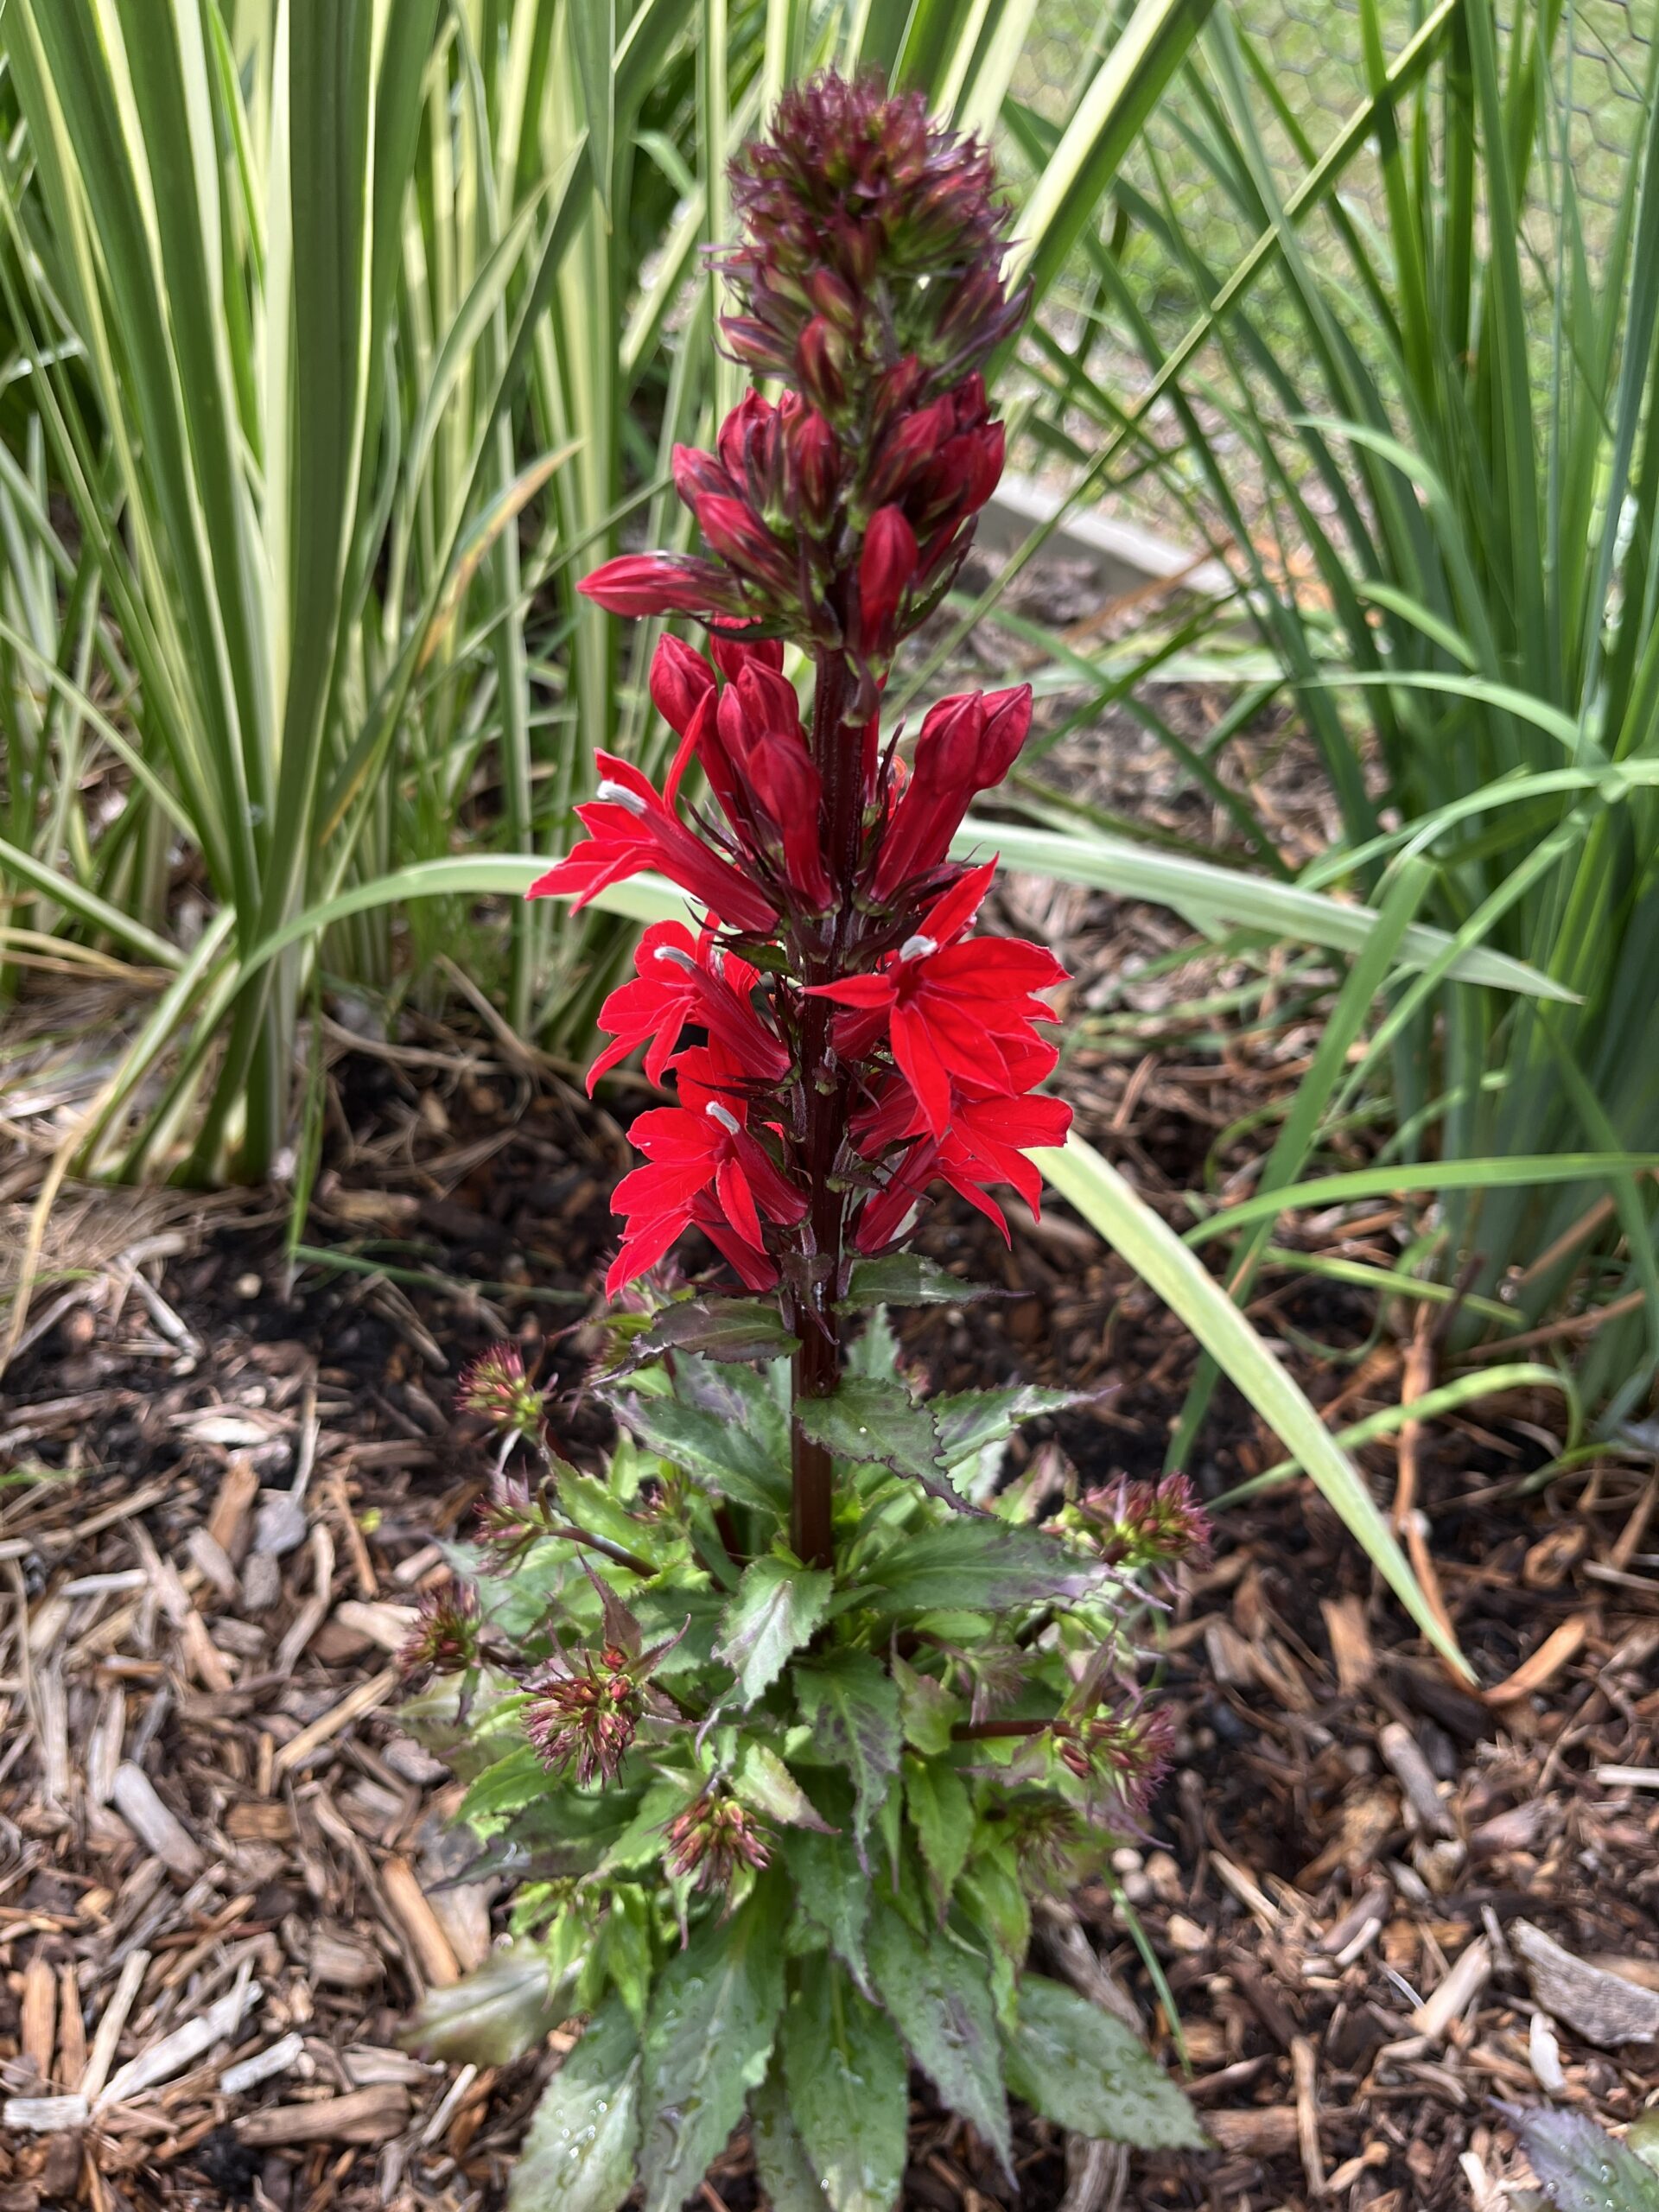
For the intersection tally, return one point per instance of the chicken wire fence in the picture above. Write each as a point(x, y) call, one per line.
point(1314, 51)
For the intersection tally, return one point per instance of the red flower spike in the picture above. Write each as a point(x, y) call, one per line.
point(661, 584)
point(965, 745)
point(630, 827)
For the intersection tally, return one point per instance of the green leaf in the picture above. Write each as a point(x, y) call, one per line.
point(969, 1420)
point(785, 2170)
point(713, 2020)
point(501, 1790)
point(995, 1897)
point(939, 1994)
point(579, 2153)
point(942, 1813)
point(778, 1606)
point(1086, 2071)
point(906, 1278)
point(846, 2075)
point(870, 1419)
point(728, 1459)
point(927, 1711)
point(1171, 1272)
point(851, 1704)
point(833, 1889)
point(1581, 2169)
point(491, 2016)
point(762, 1781)
point(980, 1565)
point(724, 1329)
point(1216, 898)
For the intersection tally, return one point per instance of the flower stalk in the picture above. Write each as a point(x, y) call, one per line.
point(856, 1043)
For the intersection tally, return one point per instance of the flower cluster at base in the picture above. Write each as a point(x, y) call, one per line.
point(782, 1719)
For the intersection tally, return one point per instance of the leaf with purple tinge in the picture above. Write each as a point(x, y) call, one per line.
point(939, 1994)
point(1580, 2168)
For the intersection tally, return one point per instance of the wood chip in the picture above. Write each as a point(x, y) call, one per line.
point(231, 1521)
point(1351, 1643)
point(1605, 2008)
point(370, 2115)
point(1304, 2062)
point(1469, 1974)
point(275, 2058)
point(44, 2115)
point(159, 1831)
point(111, 2022)
point(38, 2027)
point(1258, 2131)
point(419, 1922)
point(71, 2030)
point(388, 1625)
point(174, 2052)
point(1560, 1647)
point(353, 1707)
point(1416, 1777)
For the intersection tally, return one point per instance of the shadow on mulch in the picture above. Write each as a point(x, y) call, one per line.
point(219, 1854)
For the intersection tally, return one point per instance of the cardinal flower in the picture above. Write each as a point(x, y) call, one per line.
point(946, 1007)
point(681, 979)
point(631, 827)
point(699, 1149)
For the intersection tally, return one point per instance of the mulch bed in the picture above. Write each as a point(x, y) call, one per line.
point(222, 1862)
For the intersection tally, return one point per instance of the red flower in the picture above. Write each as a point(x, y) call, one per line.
point(986, 1144)
point(946, 1007)
point(693, 1150)
point(965, 745)
point(680, 979)
point(630, 827)
point(661, 583)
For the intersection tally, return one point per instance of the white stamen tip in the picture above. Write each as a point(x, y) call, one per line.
point(619, 795)
point(727, 1121)
point(918, 947)
point(679, 955)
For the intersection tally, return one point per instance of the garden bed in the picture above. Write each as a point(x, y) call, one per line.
point(231, 1646)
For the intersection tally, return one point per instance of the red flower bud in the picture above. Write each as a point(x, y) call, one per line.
point(699, 476)
point(833, 296)
point(815, 358)
point(966, 745)
point(752, 416)
point(816, 461)
point(884, 569)
point(738, 536)
point(680, 680)
point(788, 786)
point(732, 655)
point(661, 583)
